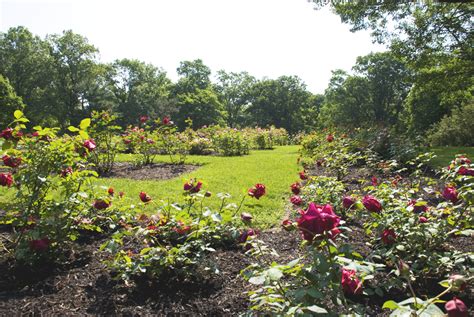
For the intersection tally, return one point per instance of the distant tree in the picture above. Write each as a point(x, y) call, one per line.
point(279, 102)
point(9, 102)
point(196, 97)
point(234, 92)
point(139, 89)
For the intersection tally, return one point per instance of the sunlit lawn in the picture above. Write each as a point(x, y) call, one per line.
point(444, 155)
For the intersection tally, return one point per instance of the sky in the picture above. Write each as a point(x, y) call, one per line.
point(267, 38)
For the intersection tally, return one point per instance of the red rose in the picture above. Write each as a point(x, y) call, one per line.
point(7, 133)
point(418, 206)
point(166, 120)
point(189, 186)
point(450, 194)
point(456, 308)
point(181, 228)
point(287, 224)
point(127, 141)
point(423, 219)
point(101, 204)
point(303, 175)
point(121, 194)
point(296, 200)
point(246, 234)
point(257, 191)
point(11, 161)
point(144, 197)
point(144, 119)
point(330, 138)
point(89, 144)
point(67, 171)
point(39, 245)
point(296, 188)
point(374, 181)
point(371, 203)
point(348, 202)
point(350, 283)
point(465, 171)
point(6, 179)
point(110, 191)
point(317, 220)
point(388, 236)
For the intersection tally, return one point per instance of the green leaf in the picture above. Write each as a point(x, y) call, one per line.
point(18, 114)
point(257, 280)
point(73, 129)
point(85, 123)
point(317, 309)
point(83, 134)
point(390, 304)
point(274, 274)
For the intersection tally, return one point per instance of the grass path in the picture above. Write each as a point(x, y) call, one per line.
point(446, 154)
point(277, 169)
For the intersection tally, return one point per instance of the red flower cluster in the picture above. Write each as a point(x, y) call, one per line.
point(89, 144)
point(257, 191)
point(450, 194)
point(350, 283)
point(100, 204)
point(296, 188)
point(11, 161)
point(330, 138)
point(189, 186)
point(7, 134)
point(296, 200)
point(317, 220)
point(6, 179)
point(388, 236)
point(144, 197)
point(371, 203)
point(39, 245)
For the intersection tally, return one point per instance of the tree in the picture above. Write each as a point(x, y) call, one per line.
point(234, 89)
point(139, 89)
point(279, 102)
point(194, 75)
point(9, 102)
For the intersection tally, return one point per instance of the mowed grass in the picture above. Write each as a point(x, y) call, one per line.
point(444, 155)
point(277, 169)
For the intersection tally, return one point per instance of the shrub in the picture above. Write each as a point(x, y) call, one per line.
point(231, 142)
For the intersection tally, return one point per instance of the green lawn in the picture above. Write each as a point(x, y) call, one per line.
point(277, 169)
point(444, 155)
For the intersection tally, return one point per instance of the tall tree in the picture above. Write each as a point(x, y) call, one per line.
point(9, 102)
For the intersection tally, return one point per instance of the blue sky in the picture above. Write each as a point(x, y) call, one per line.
point(267, 38)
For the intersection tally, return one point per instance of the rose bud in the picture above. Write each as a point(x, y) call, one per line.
point(457, 282)
point(208, 194)
point(303, 175)
point(456, 308)
point(371, 203)
point(296, 188)
point(100, 204)
point(144, 119)
point(121, 194)
point(296, 200)
point(246, 217)
point(144, 197)
point(287, 224)
point(110, 191)
point(374, 181)
point(348, 202)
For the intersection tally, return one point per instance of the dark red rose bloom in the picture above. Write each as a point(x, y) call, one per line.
point(287, 224)
point(350, 283)
point(418, 206)
point(144, 119)
point(181, 228)
point(246, 217)
point(89, 144)
point(127, 141)
point(35, 134)
point(303, 175)
point(101, 204)
point(388, 236)
point(371, 204)
point(189, 186)
point(7, 134)
point(450, 194)
point(296, 200)
point(330, 138)
point(39, 245)
point(246, 234)
point(423, 219)
point(465, 171)
point(296, 188)
point(6, 179)
point(111, 191)
point(317, 220)
point(257, 191)
point(144, 197)
point(374, 181)
point(456, 308)
point(67, 171)
point(166, 120)
point(11, 161)
point(208, 194)
point(348, 202)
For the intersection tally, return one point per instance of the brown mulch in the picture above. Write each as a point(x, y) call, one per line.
point(149, 172)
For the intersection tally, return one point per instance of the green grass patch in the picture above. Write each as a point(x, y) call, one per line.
point(445, 154)
point(277, 169)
